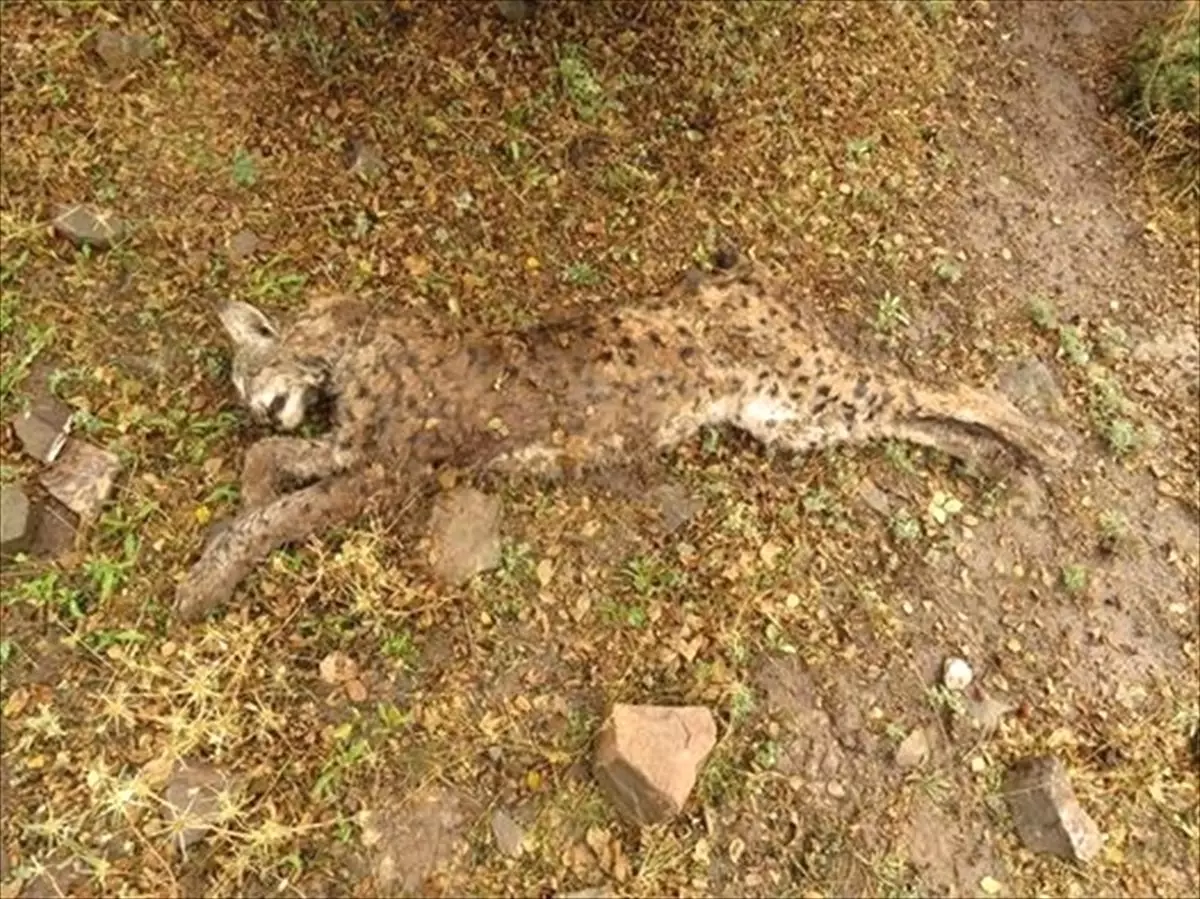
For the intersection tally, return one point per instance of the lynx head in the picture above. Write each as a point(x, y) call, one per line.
point(278, 388)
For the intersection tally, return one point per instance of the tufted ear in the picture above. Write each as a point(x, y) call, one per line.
point(246, 326)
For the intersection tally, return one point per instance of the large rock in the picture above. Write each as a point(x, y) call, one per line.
point(43, 427)
point(196, 798)
point(465, 533)
point(410, 839)
point(648, 757)
point(515, 10)
point(87, 225)
point(120, 51)
point(82, 479)
point(1045, 811)
point(16, 521)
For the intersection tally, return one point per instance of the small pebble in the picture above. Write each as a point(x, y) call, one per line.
point(957, 674)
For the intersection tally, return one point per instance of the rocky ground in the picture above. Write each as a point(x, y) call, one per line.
point(418, 706)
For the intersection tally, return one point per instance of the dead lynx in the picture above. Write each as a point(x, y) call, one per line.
point(724, 349)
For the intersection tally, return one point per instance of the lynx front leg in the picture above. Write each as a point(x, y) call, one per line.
point(273, 462)
point(257, 532)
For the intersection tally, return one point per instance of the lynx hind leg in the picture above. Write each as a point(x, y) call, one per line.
point(275, 463)
point(233, 554)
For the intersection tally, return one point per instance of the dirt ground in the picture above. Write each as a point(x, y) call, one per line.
point(949, 183)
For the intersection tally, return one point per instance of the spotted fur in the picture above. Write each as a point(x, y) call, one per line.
point(733, 349)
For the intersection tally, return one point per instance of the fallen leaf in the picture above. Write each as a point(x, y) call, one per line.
point(355, 690)
point(16, 702)
point(545, 572)
point(417, 266)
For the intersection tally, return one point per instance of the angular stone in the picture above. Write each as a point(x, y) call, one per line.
point(1031, 386)
point(1045, 811)
point(410, 839)
point(365, 160)
point(57, 527)
point(197, 795)
point(82, 479)
point(43, 427)
point(913, 749)
point(648, 757)
point(16, 521)
point(515, 10)
point(85, 224)
point(676, 506)
point(243, 245)
point(510, 839)
point(465, 531)
point(120, 51)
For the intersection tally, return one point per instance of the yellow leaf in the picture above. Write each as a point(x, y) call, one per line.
point(417, 266)
point(17, 700)
point(533, 780)
point(203, 515)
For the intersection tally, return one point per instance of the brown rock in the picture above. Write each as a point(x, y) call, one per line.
point(87, 225)
point(409, 840)
point(648, 757)
point(82, 479)
point(120, 51)
point(243, 245)
point(16, 521)
point(465, 531)
point(56, 529)
point(196, 795)
point(913, 749)
point(515, 10)
point(43, 427)
point(1045, 811)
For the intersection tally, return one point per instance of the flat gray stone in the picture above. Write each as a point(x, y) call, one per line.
point(16, 521)
point(676, 506)
point(510, 838)
point(465, 533)
point(82, 479)
point(1047, 816)
point(43, 428)
point(1031, 386)
point(194, 800)
point(86, 224)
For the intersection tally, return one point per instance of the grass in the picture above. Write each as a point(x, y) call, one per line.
point(1161, 91)
point(800, 618)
